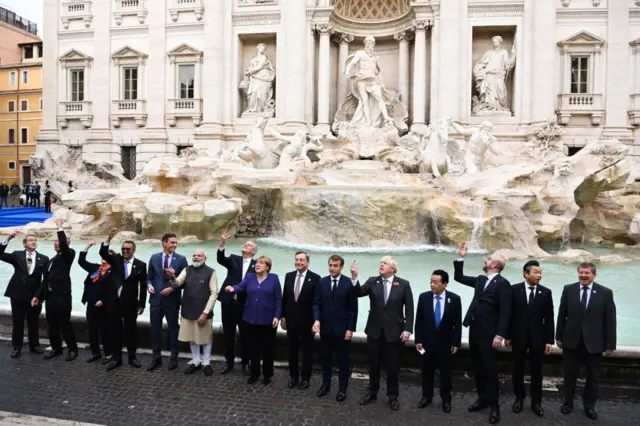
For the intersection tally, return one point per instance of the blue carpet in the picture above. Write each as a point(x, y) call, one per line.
point(20, 216)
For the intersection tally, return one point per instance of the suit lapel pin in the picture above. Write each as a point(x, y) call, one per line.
point(448, 300)
point(377, 281)
point(539, 292)
point(594, 292)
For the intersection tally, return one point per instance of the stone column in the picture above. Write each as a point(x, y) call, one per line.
point(403, 65)
point(294, 75)
point(453, 14)
point(311, 77)
point(343, 83)
point(617, 66)
point(50, 101)
point(324, 77)
point(543, 66)
point(420, 76)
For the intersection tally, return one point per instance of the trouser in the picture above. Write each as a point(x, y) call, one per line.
point(331, 343)
point(440, 358)
point(195, 354)
point(571, 360)
point(47, 204)
point(535, 356)
point(300, 340)
point(123, 323)
point(485, 367)
point(97, 323)
point(19, 310)
point(232, 318)
point(58, 313)
point(15, 200)
point(384, 353)
point(170, 313)
point(263, 342)
point(3, 201)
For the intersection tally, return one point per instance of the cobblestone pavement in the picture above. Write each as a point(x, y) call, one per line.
point(86, 393)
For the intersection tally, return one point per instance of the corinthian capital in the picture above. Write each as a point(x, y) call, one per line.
point(325, 28)
point(420, 25)
point(405, 35)
point(344, 38)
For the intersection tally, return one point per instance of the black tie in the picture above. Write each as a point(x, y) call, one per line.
point(532, 290)
point(583, 299)
point(333, 289)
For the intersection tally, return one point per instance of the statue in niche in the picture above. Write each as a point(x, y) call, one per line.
point(295, 148)
point(258, 81)
point(480, 140)
point(491, 74)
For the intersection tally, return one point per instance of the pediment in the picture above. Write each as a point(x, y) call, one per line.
point(128, 53)
point(74, 55)
point(184, 50)
point(582, 38)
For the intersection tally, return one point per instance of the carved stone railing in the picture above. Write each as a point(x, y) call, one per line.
point(130, 8)
point(75, 111)
point(186, 6)
point(76, 10)
point(189, 108)
point(129, 109)
point(585, 104)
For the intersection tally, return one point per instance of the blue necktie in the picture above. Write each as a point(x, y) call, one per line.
point(438, 312)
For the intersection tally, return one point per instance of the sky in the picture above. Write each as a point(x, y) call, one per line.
point(28, 9)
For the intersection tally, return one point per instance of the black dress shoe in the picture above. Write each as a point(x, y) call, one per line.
point(16, 353)
point(134, 363)
point(192, 369)
point(424, 402)
point(446, 406)
point(494, 416)
point(53, 354)
point(591, 413)
point(154, 364)
point(107, 359)
point(368, 398)
point(341, 396)
point(566, 408)
point(517, 406)
point(293, 382)
point(93, 358)
point(324, 389)
point(394, 404)
point(208, 371)
point(36, 350)
point(304, 384)
point(71, 355)
point(537, 409)
point(266, 380)
point(226, 368)
point(173, 364)
point(114, 364)
point(246, 370)
point(477, 406)
point(252, 379)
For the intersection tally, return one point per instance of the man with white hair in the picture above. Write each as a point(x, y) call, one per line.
point(200, 292)
point(389, 325)
point(488, 319)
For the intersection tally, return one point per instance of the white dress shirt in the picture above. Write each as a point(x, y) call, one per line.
point(304, 276)
point(33, 260)
point(489, 279)
point(387, 286)
point(590, 287)
point(441, 301)
point(528, 288)
point(128, 265)
point(246, 262)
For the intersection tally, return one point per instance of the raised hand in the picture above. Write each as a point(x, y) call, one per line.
point(59, 222)
point(112, 234)
point(463, 249)
point(12, 235)
point(354, 270)
point(224, 236)
point(89, 245)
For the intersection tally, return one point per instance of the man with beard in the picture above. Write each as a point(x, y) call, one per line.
point(233, 304)
point(200, 292)
point(488, 320)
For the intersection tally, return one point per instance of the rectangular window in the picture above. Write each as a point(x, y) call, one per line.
point(580, 74)
point(25, 77)
point(12, 136)
point(24, 105)
point(12, 78)
point(187, 74)
point(28, 52)
point(11, 165)
point(11, 106)
point(130, 79)
point(24, 135)
point(77, 85)
point(39, 51)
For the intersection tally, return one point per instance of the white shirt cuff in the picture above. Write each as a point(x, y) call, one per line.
point(354, 282)
point(220, 248)
point(4, 243)
point(105, 244)
point(60, 230)
point(460, 259)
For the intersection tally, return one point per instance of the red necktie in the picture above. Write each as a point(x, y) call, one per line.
point(166, 261)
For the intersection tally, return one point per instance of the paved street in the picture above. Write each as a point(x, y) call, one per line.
point(85, 393)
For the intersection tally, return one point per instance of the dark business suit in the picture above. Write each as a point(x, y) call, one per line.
point(56, 290)
point(94, 292)
point(126, 296)
point(22, 288)
point(337, 312)
point(167, 307)
point(531, 328)
point(437, 341)
point(488, 316)
point(385, 324)
point(233, 307)
point(585, 334)
point(298, 315)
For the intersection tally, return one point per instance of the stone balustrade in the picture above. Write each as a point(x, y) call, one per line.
point(580, 104)
point(129, 109)
point(76, 10)
point(186, 6)
point(135, 8)
point(187, 108)
point(75, 111)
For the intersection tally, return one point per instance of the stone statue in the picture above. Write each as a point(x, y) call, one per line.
point(294, 153)
point(258, 81)
point(490, 74)
point(434, 151)
point(480, 139)
point(254, 149)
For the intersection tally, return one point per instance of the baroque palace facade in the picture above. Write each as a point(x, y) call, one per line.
point(132, 79)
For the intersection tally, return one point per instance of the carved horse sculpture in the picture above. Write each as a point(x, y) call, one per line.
point(434, 151)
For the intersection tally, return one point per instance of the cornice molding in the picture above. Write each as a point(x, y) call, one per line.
point(75, 35)
point(255, 18)
point(495, 10)
point(194, 27)
point(582, 14)
point(129, 31)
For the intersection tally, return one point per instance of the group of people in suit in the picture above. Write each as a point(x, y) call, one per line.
point(254, 304)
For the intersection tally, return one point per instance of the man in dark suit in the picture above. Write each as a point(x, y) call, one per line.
point(56, 290)
point(335, 311)
point(165, 299)
point(30, 269)
point(232, 304)
point(530, 334)
point(586, 331)
point(437, 338)
point(389, 326)
point(488, 320)
point(297, 319)
point(127, 298)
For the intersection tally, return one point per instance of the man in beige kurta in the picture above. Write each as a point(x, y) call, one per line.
point(200, 293)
